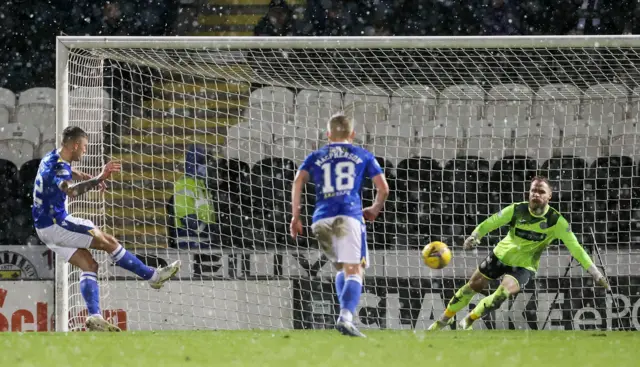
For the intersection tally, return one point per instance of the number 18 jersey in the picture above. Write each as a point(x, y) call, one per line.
point(338, 171)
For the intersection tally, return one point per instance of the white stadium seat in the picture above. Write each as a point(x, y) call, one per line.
point(461, 105)
point(315, 108)
point(536, 142)
point(439, 143)
point(490, 143)
point(7, 105)
point(583, 141)
point(393, 142)
point(249, 141)
point(89, 104)
point(36, 107)
point(604, 103)
point(559, 102)
point(271, 104)
point(509, 104)
point(367, 105)
point(294, 142)
point(18, 143)
point(413, 105)
point(625, 139)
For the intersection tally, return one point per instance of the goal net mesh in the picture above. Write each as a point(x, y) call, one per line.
point(459, 132)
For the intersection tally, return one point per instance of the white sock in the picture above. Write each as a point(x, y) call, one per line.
point(346, 315)
point(155, 277)
point(117, 254)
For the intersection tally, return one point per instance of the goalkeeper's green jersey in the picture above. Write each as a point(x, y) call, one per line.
point(529, 235)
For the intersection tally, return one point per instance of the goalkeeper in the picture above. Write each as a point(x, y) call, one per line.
point(533, 226)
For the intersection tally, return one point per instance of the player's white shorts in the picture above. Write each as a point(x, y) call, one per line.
point(343, 239)
point(66, 237)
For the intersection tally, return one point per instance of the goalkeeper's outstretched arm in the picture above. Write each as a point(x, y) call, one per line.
point(568, 238)
point(490, 224)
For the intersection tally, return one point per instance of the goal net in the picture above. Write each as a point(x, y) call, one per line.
point(460, 126)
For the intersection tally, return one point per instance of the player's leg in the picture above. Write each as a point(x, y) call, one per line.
point(511, 284)
point(479, 280)
point(126, 260)
point(90, 289)
point(351, 251)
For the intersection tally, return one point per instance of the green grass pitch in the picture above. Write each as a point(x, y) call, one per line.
point(322, 348)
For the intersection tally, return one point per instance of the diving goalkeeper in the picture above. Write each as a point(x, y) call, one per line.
point(533, 226)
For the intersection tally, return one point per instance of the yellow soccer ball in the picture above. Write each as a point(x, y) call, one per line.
point(436, 255)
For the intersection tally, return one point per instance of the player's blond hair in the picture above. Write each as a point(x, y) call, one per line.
point(340, 127)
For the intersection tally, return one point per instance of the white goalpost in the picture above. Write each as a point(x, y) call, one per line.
point(460, 125)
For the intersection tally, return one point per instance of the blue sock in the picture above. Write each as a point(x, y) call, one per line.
point(350, 297)
point(339, 283)
point(129, 261)
point(90, 291)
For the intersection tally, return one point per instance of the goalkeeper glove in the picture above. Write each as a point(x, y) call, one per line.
point(471, 241)
point(598, 278)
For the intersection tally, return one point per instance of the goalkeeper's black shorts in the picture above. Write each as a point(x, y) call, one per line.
point(493, 268)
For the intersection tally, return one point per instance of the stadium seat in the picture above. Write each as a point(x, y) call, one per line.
point(538, 142)
point(314, 108)
point(36, 107)
point(89, 105)
point(488, 143)
point(466, 179)
point(271, 105)
point(234, 199)
point(584, 141)
point(559, 102)
point(47, 143)
point(461, 105)
point(391, 141)
point(9, 183)
point(249, 141)
point(271, 189)
point(567, 175)
point(418, 204)
point(367, 104)
point(294, 142)
point(382, 232)
point(413, 105)
point(7, 105)
point(625, 139)
point(18, 142)
point(611, 179)
point(509, 104)
point(604, 103)
point(440, 143)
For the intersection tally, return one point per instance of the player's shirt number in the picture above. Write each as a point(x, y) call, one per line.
point(344, 174)
point(37, 189)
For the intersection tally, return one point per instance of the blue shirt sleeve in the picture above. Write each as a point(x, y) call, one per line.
point(373, 167)
point(307, 163)
point(62, 172)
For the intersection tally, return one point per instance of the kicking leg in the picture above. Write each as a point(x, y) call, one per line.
point(128, 261)
point(508, 287)
point(90, 290)
point(477, 283)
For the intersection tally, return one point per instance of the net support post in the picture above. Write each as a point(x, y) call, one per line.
point(62, 121)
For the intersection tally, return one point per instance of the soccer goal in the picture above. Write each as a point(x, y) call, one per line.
point(460, 126)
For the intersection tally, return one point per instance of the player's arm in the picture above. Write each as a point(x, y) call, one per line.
point(568, 238)
point(64, 175)
point(382, 189)
point(382, 193)
point(79, 175)
point(302, 177)
point(489, 225)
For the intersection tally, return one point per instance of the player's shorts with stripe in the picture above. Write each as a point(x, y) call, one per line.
point(493, 268)
point(66, 237)
point(343, 239)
